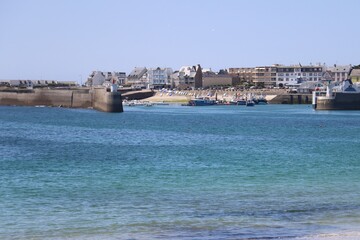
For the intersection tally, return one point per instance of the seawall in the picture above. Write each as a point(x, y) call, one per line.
point(295, 98)
point(98, 99)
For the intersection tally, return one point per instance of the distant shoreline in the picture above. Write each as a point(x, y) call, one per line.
point(275, 96)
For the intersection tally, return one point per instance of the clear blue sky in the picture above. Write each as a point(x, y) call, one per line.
point(67, 39)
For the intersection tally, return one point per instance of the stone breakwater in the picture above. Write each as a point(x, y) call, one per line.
point(97, 98)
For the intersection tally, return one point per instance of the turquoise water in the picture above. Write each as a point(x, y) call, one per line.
point(174, 172)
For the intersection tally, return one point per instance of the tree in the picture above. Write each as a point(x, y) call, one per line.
point(223, 71)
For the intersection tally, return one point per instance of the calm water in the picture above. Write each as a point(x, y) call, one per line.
point(173, 172)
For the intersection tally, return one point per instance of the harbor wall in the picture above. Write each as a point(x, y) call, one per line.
point(98, 99)
point(341, 101)
point(138, 95)
point(292, 99)
point(107, 101)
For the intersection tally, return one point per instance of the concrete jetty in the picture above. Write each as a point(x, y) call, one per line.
point(100, 99)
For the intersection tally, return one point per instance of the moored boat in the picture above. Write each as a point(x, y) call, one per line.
point(201, 102)
point(250, 103)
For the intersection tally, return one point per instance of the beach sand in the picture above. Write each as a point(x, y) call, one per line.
point(186, 96)
point(158, 97)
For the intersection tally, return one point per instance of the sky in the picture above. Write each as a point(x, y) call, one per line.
point(68, 39)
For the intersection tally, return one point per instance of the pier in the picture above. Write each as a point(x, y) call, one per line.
point(101, 99)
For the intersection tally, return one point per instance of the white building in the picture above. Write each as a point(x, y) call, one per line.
point(187, 76)
point(294, 75)
point(159, 77)
point(99, 78)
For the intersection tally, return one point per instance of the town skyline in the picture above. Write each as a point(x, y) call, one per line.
point(66, 40)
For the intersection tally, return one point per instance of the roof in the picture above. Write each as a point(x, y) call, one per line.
point(307, 85)
point(138, 71)
point(345, 68)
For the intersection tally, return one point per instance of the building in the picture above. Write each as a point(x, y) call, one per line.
point(212, 79)
point(265, 76)
point(309, 87)
point(355, 75)
point(99, 78)
point(245, 75)
point(339, 73)
point(20, 83)
point(189, 77)
point(159, 77)
point(37, 83)
point(138, 78)
point(296, 74)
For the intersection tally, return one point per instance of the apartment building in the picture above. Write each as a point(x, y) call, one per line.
point(265, 76)
point(245, 74)
point(294, 75)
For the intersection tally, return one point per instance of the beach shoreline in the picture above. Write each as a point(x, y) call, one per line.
point(185, 96)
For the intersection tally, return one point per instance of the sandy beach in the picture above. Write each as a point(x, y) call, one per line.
point(185, 96)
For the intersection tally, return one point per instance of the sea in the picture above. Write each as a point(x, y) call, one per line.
point(179, 172)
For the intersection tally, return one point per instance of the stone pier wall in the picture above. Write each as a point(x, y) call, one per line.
point(107, 101)
point(99, 99)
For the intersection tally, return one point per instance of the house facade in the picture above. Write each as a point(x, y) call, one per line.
point(245, 74)
point(339, 73)
point(138, 78)
point(188, 77)
point(265, 76)
point(159, 77)
point(99, 78)
point(212, 79)
point(296, 74)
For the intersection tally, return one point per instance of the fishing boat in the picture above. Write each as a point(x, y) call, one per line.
point(250, 103)
point(261, 100)
point(241, 102)
point(201, 102)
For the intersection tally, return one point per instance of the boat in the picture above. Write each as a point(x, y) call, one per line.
point(160, 103)
point(261, 100)
point(241, 102)
point(250, 103)
point(345, 96)
point(201, 102)
point(148, 104)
